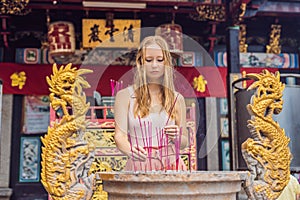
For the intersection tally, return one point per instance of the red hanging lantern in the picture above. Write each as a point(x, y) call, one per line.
point(4, 32)
point(61, 38)
point(172, 33)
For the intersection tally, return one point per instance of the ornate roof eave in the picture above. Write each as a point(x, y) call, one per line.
point(271, 8)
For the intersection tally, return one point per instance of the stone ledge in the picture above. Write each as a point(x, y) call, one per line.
point(5, 193)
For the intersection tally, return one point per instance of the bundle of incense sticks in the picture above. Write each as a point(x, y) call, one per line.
point(172, 109)
point(168, 163)
point(159, 136)
point(115, 86)
point(177, 147)
point(129, 138)
point(162, 145)
point(137, 145)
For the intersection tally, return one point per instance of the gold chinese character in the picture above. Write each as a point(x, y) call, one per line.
point(18, 79)
point(199, 83)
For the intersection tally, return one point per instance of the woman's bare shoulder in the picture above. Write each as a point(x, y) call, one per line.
point(123, 94)
point(179, 97)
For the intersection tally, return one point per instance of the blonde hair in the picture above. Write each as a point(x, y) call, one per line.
point(143, 100)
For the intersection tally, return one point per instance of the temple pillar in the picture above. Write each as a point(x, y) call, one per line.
point(5, 142)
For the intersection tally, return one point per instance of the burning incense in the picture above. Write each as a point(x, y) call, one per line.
point(143, 135)
point(167, 137)
point(172, 109)
point(115, 86)
point(141, 126)
point(177, 148)
point(150, 141)
point(112, 86)
point(159, 142)
point(137, 146)
point(167, 151)
point(189, 148)
point(130, 142)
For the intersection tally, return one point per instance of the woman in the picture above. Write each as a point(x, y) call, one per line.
point(150, 116)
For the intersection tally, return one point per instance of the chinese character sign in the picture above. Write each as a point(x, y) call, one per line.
point(18, 79)
point(199, 83)
point(61, 37)
point(122, 33)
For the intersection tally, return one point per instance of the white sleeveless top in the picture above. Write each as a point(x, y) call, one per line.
point(147, 131)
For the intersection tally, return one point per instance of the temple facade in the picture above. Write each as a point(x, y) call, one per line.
point(215, 44)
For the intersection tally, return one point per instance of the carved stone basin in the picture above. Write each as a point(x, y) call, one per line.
point(198, 185)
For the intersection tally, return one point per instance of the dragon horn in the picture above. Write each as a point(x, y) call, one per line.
point(61, 69)
point(84, 71)
point(49, 81)
point(68, 66)
point(254, 76)
point(277, 74)
point(54, 68)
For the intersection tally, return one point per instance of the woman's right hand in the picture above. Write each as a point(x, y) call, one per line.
point(172, 132)
point(138, 153)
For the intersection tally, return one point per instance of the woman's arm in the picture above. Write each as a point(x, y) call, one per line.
point(180, 123)
point(121, 121)
point(180, 120)
point(121, 126)
point(121, 107)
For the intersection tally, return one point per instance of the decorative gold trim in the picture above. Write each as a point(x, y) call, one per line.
point(239, 14)
point(243, 39)
point(13, 7)
point(274, 44)
point(210, 12)
point(243, 8)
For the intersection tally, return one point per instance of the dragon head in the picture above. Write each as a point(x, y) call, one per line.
point(64, 80)
point(269, 88)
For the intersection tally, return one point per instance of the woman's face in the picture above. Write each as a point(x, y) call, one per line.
point(154, 63)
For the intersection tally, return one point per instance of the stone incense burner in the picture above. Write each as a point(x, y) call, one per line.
point(204, 185)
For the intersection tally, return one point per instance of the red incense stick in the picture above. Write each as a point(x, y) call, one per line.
point(167, 138)
point(150, 143)
point(159, 143)
point(177, 147)
point(161, 147)
point(142, 131)
point(172, 109)
point(137, 145)
point(130, 142)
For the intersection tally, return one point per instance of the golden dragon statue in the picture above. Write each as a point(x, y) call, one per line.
point(266, 153)
point(66, 156)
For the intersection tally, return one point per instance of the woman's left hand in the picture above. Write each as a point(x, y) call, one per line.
point(172, 131)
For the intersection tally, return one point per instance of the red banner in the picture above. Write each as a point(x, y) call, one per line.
point(190, 81)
